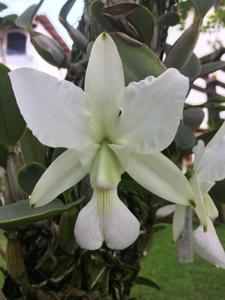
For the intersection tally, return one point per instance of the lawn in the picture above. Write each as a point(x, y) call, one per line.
point(196, 281)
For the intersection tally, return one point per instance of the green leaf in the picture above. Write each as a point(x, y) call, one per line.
point(143, 21)
point(147, 282)
point(217, 192)
point(192, 68)
point(169, 19)
point(138, 62)
point(32, 149)
point(193, 117)
point(206, 137)
point(97, 12)
point(129, 184)
point(66, 228)
point(181, 51)
point(212, 67)
point(20, 213)
point(49, 49)
point(4, 151)
point(7, 21)
point(185, 138)
point(202, 6)
point(57, 152)
point(25, 20)
point(12, 125)
point(29, 175)
point(2, 6)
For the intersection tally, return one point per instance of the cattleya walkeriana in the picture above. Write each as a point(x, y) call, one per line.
point(108, 129)
point(209, 167)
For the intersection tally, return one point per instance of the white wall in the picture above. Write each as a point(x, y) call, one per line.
point(31, 59)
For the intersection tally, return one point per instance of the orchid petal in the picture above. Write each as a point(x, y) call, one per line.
point(210, 207)
point(198, 150)
point(151, 111)
point(103, 82)
point(63, 173)
point(178, 221)
point(86, 155)
point(211, 165)
point(121, 226)
point(198, 199)
point(54, 110)
point(108, 219)
point(123, 154)
point(207, 245)
point(165, 211)
point(217, 137)
point(88, 230)
point(159, 175)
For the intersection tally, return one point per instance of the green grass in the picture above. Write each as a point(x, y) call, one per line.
point(196, 281)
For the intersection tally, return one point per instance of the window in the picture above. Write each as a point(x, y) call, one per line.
point(16, 43)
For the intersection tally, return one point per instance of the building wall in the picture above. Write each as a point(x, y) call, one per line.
point(31, 58)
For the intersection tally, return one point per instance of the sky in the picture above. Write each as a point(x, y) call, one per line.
point(51, 8)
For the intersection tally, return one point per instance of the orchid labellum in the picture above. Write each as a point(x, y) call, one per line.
point(209, 167)
point(108, 129)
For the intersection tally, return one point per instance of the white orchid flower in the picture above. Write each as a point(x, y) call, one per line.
point(108, 129)
point(209, 167)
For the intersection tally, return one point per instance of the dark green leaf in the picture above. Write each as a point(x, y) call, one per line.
point(193, 117)
point(32, 149)
point(20, 213)
point(4, 151)
point(212, 67)
point(120, 9)
point(97, 11)
point(206, 137)
point(181, 51)
point(217, 192)
point(7, 21)
point(202, 6)
point(147, 281)
point(138, 62)
point(185, 138)
point(143, 21)
point(2, 6)
point(130, 185)
point(25, 20)
point(12, 125)
point(192, 68)
point(169, 19)
point(66, 228)
point(57, 152)
point(29, 175)
point(49, 49)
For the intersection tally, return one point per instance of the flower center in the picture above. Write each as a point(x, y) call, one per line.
point(106, 170)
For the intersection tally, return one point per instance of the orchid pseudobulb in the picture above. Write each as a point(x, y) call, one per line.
point(108, 129)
